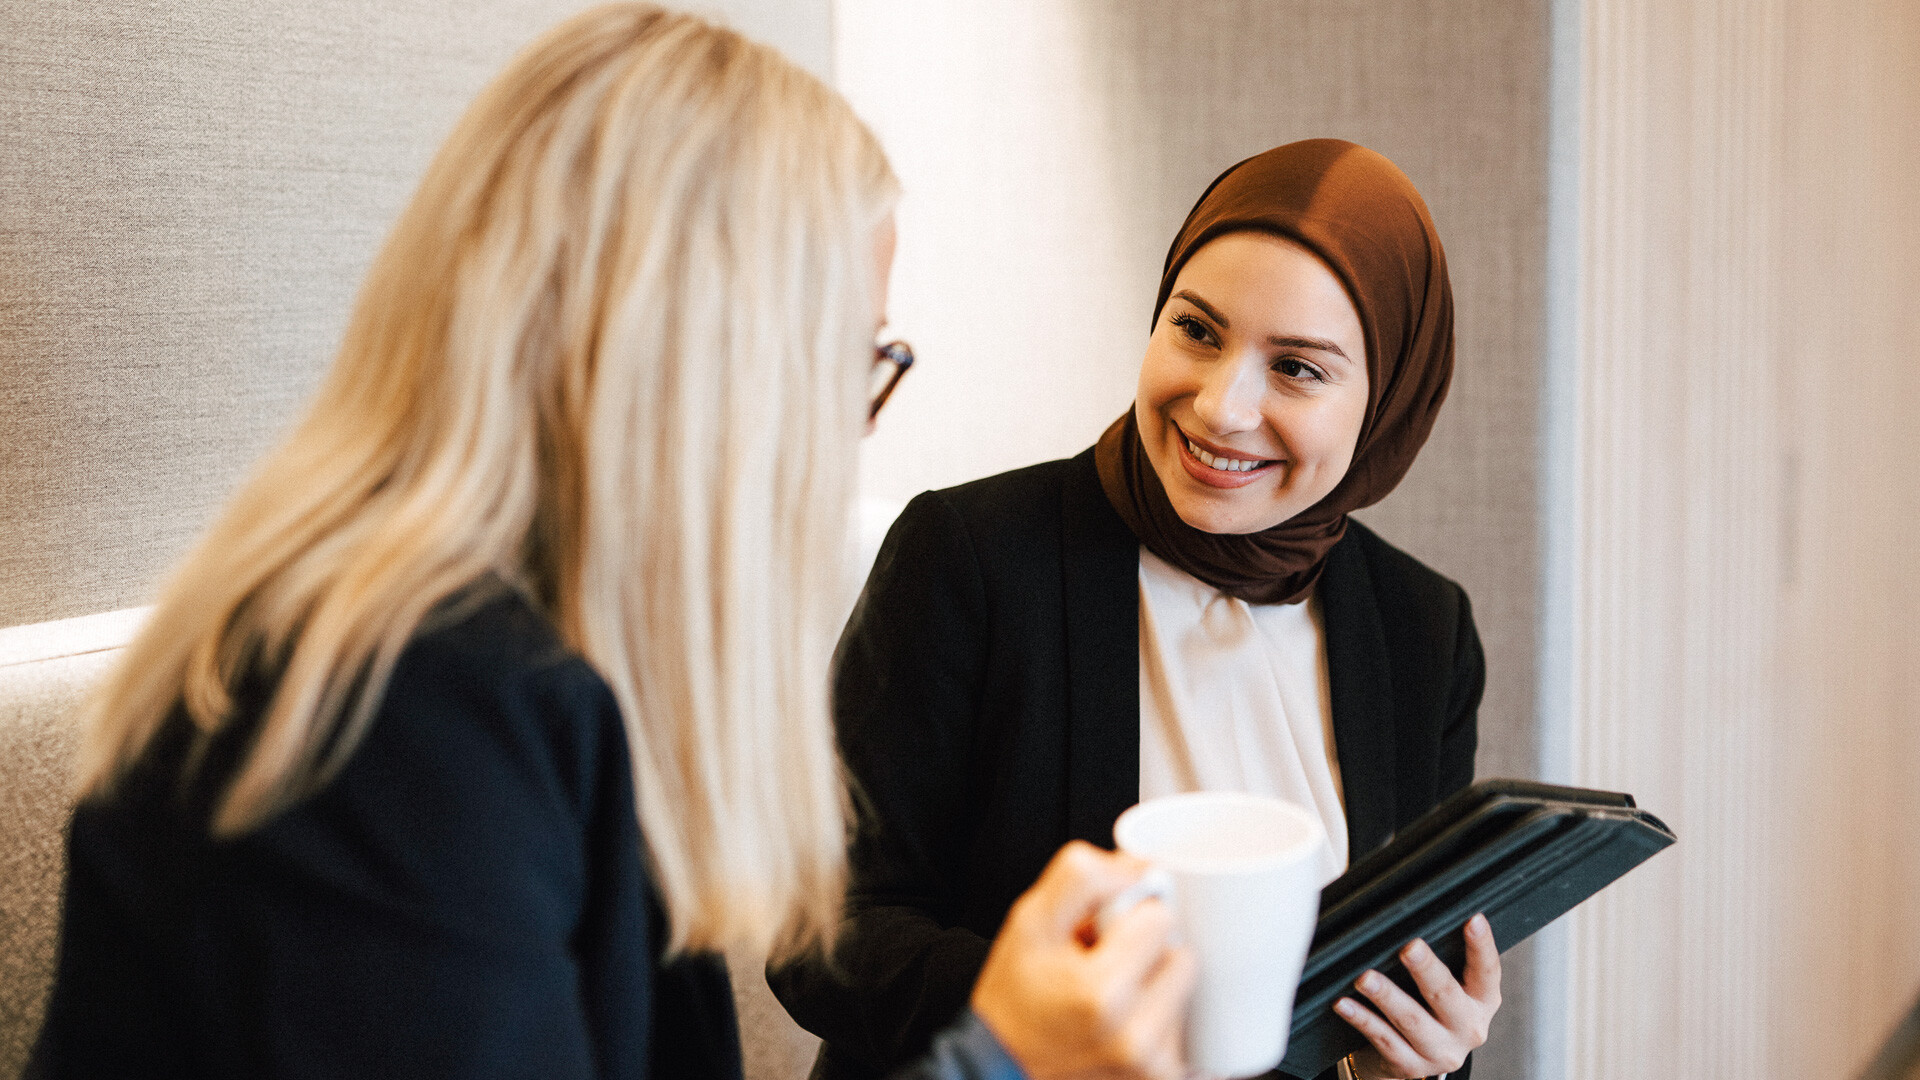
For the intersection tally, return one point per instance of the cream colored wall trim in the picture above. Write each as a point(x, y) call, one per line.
point(70, 637)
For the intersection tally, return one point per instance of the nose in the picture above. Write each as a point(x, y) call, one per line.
point(1230, 395)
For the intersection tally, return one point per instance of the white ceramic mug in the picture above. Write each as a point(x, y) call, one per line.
point(1240, 870)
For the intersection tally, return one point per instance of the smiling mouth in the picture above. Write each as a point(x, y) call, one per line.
point(1221, 463)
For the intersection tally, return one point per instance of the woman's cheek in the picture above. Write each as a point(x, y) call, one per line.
point(1160, 380)
point(1321, 437)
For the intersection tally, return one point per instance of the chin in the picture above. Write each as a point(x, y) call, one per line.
point(1209, 516)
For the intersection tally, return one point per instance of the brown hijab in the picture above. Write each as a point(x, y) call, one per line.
point(1362, 217)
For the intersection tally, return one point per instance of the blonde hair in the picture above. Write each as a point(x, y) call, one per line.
point(614, 351)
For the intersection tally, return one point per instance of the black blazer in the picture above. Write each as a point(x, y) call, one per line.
point(466, 898)
point(987, 697)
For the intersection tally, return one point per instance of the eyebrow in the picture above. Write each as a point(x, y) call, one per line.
point(1287, 341)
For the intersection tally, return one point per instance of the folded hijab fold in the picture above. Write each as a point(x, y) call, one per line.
point(1361, 215)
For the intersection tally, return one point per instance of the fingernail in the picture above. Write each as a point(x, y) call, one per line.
point(1417, 950)
point(1478, 924)
point(1345, 1007)
point(1370, 981)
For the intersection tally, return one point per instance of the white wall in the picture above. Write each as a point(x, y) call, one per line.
point(1012, 281)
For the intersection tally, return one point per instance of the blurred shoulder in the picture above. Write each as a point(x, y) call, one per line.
point(488, 670)
point(1015, 503)
point(1028, 488)
point(1006, 526)
point(491, 634)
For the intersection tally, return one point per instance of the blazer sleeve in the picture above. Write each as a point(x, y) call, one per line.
point(907, 686)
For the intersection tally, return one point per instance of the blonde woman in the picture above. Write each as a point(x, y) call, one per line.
point(494, 706)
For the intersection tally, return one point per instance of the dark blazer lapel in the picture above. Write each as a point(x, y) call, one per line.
point(1362, 692)
point(1100, 568)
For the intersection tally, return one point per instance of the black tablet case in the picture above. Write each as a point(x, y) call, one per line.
point(1522, 853)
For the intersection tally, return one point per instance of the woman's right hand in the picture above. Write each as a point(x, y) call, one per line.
point(1068, 1005)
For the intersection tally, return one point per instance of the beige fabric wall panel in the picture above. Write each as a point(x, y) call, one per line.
point(189, 194)
point(1050, 148)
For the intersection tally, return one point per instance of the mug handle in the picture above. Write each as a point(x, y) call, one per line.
point(1155, 884)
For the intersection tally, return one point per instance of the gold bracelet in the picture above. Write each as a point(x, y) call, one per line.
point(1353, 1068)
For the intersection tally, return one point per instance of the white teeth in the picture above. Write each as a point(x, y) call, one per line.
point(1221, 463)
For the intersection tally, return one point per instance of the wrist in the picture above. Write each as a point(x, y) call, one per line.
point(977, 1050)
point(1006, 1032)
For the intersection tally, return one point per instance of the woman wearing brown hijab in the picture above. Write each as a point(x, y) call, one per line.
point(1185, 606)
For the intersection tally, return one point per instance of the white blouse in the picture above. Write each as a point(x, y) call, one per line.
point(1234, 697)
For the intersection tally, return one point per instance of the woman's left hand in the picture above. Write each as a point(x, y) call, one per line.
point(1411, 1041)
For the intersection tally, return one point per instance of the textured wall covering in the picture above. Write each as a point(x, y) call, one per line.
point(1743, 587)
point(1050, 148)
point(188, 196)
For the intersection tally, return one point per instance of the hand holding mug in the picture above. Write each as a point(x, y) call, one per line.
point(1069, 1002)
point(1411, 1040)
